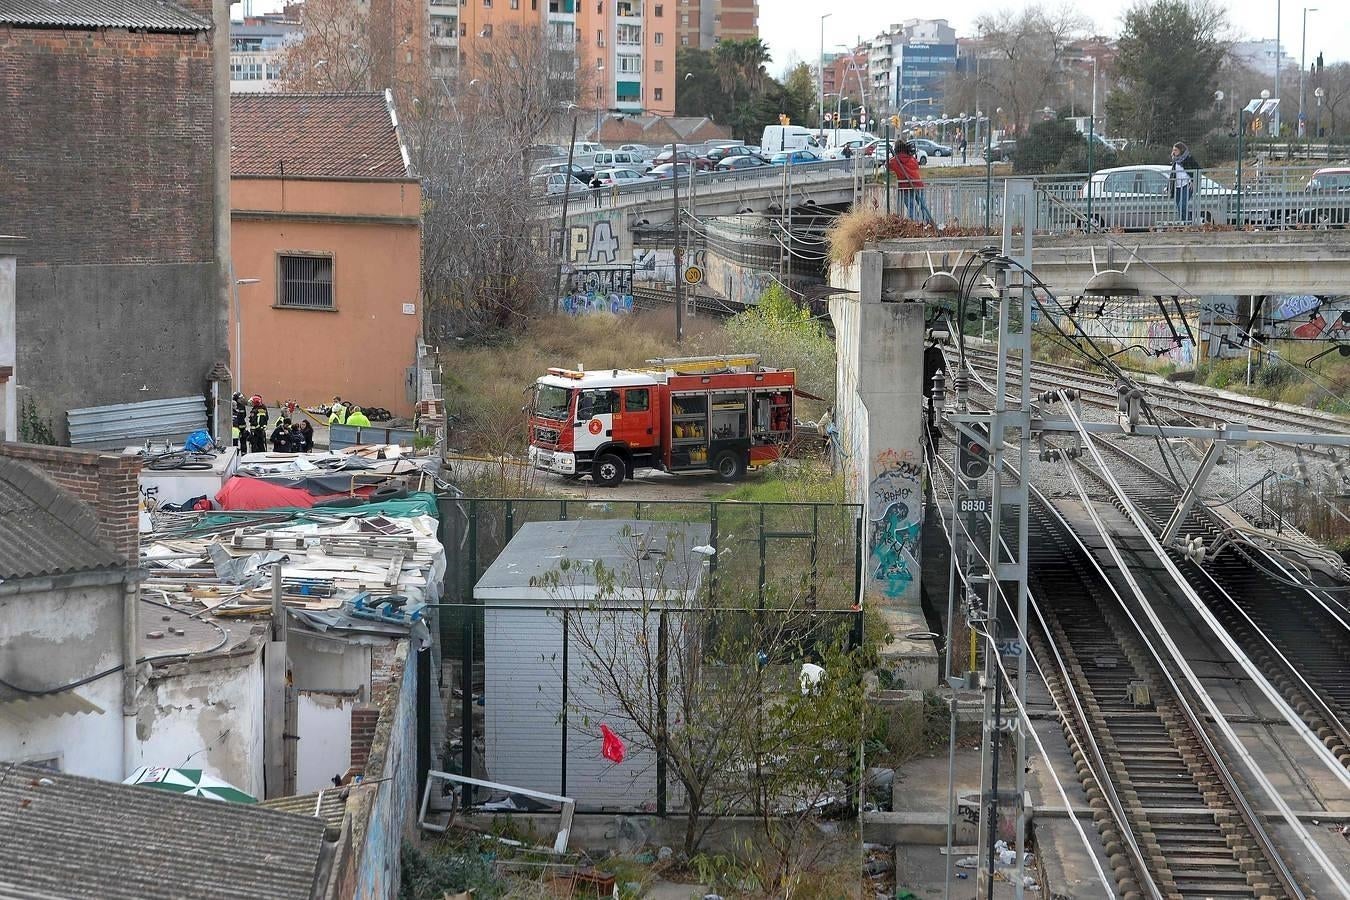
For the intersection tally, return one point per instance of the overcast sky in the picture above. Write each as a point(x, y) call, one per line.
point(791, 28)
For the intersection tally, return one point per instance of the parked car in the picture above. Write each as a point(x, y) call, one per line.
point(795, 157)
point(1001, 151)
point(665, 171)
point(684, 156)
point(556, 183)
point(641, 151)
point(877, 151)
point(622, 177)
point(1329, 200)
point(545, 151)
point(616, 159)
point(552, 168)
point(1141, 197)
point(717, 154)
point(854, 148)
point(737, 163)
point(931, 148)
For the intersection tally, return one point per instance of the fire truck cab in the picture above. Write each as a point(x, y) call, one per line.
point(697, 414)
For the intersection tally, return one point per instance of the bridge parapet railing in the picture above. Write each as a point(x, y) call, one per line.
point(714, 182)
point(1143, 198)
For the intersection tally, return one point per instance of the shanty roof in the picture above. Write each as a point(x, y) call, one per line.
point(128, 842)
point(43, 529)
point(141, 15)
point(315, 135)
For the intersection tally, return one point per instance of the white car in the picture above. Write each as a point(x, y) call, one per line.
point(556, 183)
point(643, 153)
point(622, 177)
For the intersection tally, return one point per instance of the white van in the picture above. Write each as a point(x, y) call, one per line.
point(778, 138)
point(583, 153)
point(610, 159)
point(832, 138)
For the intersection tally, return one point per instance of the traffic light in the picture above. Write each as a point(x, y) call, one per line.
point(973, 459)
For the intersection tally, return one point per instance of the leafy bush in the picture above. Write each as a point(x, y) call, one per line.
point(445, 870)
point(785, 336)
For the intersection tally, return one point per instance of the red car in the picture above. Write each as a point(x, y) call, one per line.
point(686, 157)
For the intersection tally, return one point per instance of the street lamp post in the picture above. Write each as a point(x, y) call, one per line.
point(239, 333)
point(820, 73)
point(1302, 74)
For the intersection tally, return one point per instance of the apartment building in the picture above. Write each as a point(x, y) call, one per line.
point(906, 66)
point(623, 50)
point(704, 23)
point(256, 45)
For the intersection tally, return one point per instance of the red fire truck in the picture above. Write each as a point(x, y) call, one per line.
point(695, 414)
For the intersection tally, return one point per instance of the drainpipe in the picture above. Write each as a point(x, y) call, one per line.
point(131, 630)
point(220, 158)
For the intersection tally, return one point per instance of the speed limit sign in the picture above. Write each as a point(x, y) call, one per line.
point(693, 275)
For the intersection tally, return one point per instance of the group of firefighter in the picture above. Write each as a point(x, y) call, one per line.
point(290, 433)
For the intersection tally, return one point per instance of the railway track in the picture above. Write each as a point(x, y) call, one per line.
point(1299, 637)
point(1173, 818)
point(1190, 405)
point(1196, 835)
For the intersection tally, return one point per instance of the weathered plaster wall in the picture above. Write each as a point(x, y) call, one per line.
point(389, 807)
point(206, 714)
point(52, 638)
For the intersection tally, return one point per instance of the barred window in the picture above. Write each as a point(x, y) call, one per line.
point(306, 282)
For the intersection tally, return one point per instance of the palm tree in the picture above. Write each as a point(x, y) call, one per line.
point(754, 57)
point(727, 64)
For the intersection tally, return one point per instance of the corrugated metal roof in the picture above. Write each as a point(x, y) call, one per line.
point(327, 806)
point(123, 424)
point(30, 709)
point(66, 835)
point(44, 530)
point(143, 15)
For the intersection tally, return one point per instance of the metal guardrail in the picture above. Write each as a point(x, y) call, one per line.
point(825, 170)
point(1141, 199)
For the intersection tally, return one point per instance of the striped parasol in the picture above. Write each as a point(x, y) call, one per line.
point(192, 782)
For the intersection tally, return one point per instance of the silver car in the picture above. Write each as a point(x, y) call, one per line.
point(1141, 197)
point(620, 177)
point(556, 183)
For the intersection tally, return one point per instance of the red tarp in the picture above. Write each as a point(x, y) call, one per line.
point(257, 493)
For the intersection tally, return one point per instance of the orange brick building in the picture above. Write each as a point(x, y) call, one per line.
point(326, 216)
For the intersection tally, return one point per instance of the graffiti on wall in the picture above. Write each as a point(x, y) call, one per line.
point(599, 290)
point(894, 503)
point(1219, 328)
point(1165, 344)
point(1309, 318)
point(654, 264)
point(593, 239)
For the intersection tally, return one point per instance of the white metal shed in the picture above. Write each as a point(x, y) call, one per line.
point(524, 683)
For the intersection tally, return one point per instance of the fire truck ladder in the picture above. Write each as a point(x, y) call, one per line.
point(702, 365)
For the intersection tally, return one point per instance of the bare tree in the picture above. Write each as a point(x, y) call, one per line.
point(717, 692)
point(347, 45)
point(1335, 84)
point(522, 79)
point(334, 51)
point(1025, 53)
point(483, 267)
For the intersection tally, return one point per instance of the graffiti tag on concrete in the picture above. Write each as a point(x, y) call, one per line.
point(596, 242)
point(599, 290)
point(893, 504)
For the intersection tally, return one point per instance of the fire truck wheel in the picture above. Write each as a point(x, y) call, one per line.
point(607, 470)
point(730, 466)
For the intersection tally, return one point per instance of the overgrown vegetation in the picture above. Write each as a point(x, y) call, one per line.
point(858, 227)
point(447, 868)
point(34, 428)
point(786, 337)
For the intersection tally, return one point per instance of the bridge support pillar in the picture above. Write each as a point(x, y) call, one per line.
point(879, 414)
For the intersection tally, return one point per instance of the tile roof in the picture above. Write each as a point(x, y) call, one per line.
point(43, 529)
point(66, 836)
point(142, 15)
point(324, 135)
point(327, 806)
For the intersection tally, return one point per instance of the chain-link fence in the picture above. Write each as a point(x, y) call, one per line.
point(538, 665)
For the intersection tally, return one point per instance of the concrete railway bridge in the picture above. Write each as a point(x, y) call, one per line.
point(1228, 711)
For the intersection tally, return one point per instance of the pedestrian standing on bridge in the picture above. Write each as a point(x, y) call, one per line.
point(596, 185)
point(905, 167)
point(961, 144)
point(1183, 178)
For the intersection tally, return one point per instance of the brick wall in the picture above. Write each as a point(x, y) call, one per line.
point(107, 148)
point(363, 735)
point(108, 482)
